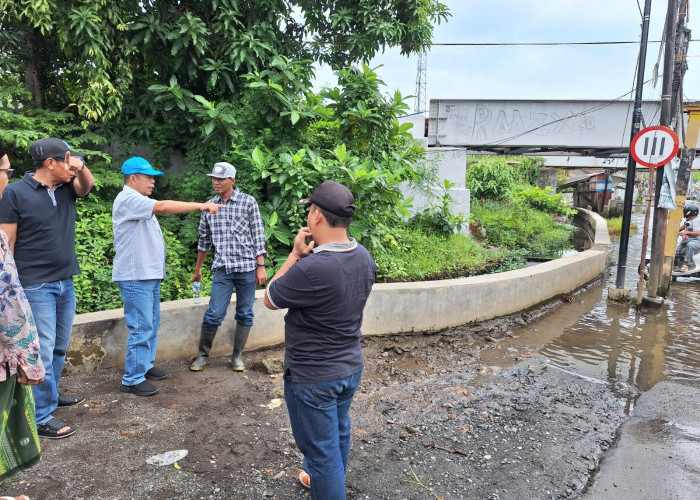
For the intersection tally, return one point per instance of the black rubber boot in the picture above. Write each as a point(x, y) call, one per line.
point(240, 337)
point(206, 339)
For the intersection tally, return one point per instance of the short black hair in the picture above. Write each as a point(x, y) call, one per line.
point(335, 220)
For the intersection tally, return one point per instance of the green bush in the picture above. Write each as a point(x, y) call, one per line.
point(490, 178)
point(512, 226)
point(94, 245)
point(544, 200)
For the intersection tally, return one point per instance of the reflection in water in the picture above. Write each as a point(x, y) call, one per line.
point(631, 349)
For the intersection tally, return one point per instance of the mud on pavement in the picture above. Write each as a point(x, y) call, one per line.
point(430, 421)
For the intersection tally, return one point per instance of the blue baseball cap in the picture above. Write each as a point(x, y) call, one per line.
point(138, 165)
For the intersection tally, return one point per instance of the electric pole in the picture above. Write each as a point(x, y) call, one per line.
point(658, 234)
point(631, 164)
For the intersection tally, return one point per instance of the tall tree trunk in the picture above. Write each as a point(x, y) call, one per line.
point(32, 78)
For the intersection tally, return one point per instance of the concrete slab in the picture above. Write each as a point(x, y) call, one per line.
point(658, 455)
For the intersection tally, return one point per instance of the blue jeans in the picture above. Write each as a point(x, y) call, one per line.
point(142, 315)
point(53, 307)
point(222, 286)
point(320, 418)
point(688, 249)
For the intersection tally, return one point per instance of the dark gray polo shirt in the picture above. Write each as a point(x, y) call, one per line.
point(45, 243)
point(326, 293)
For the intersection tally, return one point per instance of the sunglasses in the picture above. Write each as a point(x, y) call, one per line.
point(9, 172)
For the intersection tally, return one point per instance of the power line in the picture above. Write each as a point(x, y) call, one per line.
point(488, 44)
point(527, 44)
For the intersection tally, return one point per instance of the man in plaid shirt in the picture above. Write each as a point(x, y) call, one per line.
point(237, 234)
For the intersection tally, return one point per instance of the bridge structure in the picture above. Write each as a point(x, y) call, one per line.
point(568, 134)
point(553, 127)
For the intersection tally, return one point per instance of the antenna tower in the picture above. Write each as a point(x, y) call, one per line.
point(421, 77)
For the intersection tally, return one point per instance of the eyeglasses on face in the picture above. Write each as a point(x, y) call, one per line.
point(9, 172)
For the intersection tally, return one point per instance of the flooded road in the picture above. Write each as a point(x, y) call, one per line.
point(629, 349)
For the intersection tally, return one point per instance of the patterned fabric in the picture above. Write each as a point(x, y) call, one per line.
point(237, 233)
point(19, 441)
point(19, 342)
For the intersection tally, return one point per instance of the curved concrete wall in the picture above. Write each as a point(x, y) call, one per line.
point(99, 339)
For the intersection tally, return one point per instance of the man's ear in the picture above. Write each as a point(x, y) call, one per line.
point(316, 214)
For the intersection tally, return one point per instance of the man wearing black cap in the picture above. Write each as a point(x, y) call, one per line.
point(325, 283)
point(38, 215)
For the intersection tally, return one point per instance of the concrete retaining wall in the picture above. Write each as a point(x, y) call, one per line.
point(99, 339)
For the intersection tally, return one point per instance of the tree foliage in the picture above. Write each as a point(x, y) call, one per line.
point(100, 56)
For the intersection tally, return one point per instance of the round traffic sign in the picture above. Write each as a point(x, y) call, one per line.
point(654, 146)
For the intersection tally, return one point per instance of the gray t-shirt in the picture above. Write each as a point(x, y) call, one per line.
point(138, 241)
point(693, 225)
point(326, 293)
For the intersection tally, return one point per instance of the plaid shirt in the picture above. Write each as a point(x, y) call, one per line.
point(237, 233)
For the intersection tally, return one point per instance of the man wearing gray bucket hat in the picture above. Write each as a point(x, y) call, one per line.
point(237, 234)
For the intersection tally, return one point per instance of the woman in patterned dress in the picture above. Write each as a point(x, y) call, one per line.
point(20, 363)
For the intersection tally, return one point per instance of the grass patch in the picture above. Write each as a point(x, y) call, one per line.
point(521, 228)
point(615, 226)
point(417, 256)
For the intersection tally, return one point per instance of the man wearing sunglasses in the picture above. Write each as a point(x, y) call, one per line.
point(38, 215)
point(5, 163)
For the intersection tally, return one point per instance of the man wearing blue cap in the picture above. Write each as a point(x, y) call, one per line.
point(139, 268)
point(37, 214)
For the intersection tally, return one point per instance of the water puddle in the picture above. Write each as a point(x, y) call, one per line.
point(627, 348)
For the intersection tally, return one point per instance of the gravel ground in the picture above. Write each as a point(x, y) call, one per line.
point(430, 421)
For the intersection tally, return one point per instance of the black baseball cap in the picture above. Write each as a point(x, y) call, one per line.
point(332, 197)
point(51, 147)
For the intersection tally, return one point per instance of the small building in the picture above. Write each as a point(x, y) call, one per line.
point(592, 190)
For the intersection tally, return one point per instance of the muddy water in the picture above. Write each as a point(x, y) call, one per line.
point(619, 345)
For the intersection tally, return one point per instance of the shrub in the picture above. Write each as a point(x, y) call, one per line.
point(544, 200)
point(615, 226)
point(490, 179)
point(410, 254)
point(509, 225)
point(94, 245)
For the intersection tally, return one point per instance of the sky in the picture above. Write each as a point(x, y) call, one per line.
point(537, 72)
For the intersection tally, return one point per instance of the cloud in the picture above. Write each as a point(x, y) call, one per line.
point(539, 72)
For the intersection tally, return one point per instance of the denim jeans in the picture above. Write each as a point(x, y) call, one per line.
point(222, 287)
point(688, 249)
point(53, 307)
point(320, 418)
point(142, 315)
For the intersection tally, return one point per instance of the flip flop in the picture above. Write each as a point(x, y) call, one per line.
point(304, 479)
point(52, 426)
point(15, 498)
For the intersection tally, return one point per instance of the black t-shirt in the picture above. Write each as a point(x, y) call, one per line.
point(326, 293)
point(45, 242)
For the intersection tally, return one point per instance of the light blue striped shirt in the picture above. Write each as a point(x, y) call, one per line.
point(138, 240)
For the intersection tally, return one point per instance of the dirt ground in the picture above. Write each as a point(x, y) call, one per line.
point(430, 421)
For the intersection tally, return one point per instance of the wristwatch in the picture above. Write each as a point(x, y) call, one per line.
point(259, 264)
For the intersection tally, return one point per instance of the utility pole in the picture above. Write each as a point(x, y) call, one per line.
point(421, 82)
point(688, 146)
point(631, 164)
point(658, 234)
